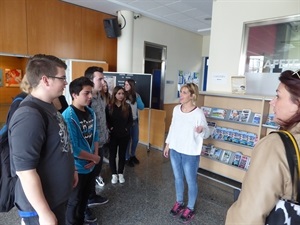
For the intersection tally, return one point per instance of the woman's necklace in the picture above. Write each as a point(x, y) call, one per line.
point(187, 109)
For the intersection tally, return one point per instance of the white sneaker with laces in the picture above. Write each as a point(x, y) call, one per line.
point(114, 179)
point(121, 179)
point(99, 181)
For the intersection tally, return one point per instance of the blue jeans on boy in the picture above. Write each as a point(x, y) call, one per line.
point(33, 219)
point(134, 140)
point(185, 166)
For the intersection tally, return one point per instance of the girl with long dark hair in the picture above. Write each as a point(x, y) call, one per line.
point(119, 121)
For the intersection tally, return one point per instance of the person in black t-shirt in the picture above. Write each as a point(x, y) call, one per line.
point(81, 121)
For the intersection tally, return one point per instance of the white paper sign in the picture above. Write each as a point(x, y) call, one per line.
point(220, 79)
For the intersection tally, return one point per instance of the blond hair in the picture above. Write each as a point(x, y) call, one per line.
point(193, 89)
point(25, 86)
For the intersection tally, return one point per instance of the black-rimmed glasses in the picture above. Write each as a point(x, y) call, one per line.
point(296, 73)
point(64, 78)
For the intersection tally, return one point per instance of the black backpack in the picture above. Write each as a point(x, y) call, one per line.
point(7, 181)
point(3, 130)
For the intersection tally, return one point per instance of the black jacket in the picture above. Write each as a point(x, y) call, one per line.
point(118, 125)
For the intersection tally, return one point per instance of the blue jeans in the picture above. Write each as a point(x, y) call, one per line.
point(134, 140)
point(185, 166)
point(59, 211)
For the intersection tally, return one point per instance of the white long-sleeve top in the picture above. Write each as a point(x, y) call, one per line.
point(182, 136)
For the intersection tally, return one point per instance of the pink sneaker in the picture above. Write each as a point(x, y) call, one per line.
point(177, 209)
point(187, 215)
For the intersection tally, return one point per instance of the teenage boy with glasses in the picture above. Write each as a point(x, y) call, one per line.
point(41, 154)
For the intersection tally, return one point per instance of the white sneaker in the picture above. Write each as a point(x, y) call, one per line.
point(121, 179)
point(99, 181)
point(114, 179)
point(105, 160)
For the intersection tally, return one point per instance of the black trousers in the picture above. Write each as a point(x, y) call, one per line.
point(117, 143)
point(96, 172)
point(78, 200)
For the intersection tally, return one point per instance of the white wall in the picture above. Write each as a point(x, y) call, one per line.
point(227, 30)
point(205, 45)
point(184, 51)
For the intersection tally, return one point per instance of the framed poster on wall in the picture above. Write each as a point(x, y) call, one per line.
point(13, 77)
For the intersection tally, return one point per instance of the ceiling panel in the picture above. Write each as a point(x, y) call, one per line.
point(145, 5)
point(161, 11)
point(190, 15)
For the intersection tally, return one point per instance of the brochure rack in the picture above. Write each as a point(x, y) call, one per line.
point(241, 116)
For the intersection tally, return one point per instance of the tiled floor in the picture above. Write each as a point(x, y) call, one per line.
point(148, 195)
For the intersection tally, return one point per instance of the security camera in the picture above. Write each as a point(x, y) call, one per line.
point(136, 16)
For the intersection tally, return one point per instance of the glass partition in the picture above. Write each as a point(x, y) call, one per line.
point(269, 47)
point(272, 46)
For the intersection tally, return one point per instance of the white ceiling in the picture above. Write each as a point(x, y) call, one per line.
point(191, 15)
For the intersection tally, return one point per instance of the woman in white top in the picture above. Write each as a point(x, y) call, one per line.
point(184, 144)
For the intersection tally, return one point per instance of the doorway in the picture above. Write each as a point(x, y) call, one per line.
point(155, 63)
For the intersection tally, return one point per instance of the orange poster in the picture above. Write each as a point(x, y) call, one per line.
point(13, 77)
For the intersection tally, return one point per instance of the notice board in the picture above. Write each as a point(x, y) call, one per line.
point(143, 83)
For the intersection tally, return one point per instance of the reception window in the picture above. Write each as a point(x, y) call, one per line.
point(271, 46)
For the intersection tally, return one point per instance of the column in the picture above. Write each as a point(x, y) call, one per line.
point(125, 42)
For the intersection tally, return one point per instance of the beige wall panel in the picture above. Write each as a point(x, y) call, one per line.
point(54, 27)
point(95, 44)
point(57, 28)
point(79, 67)
point(168, 108)
point(157, 128)
point(13, 34)
point(144, 126)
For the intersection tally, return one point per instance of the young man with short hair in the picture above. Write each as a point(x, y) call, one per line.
point(81, 121)
point(98, 104)
point(41, 154)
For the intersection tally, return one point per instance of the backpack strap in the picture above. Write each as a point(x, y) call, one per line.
point(4, 129)
point(37, 107)
point(17, 99)
point(292, 154)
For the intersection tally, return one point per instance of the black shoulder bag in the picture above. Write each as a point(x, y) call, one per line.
point(287, 212)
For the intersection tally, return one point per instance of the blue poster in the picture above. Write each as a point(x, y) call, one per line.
point(187, 77)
